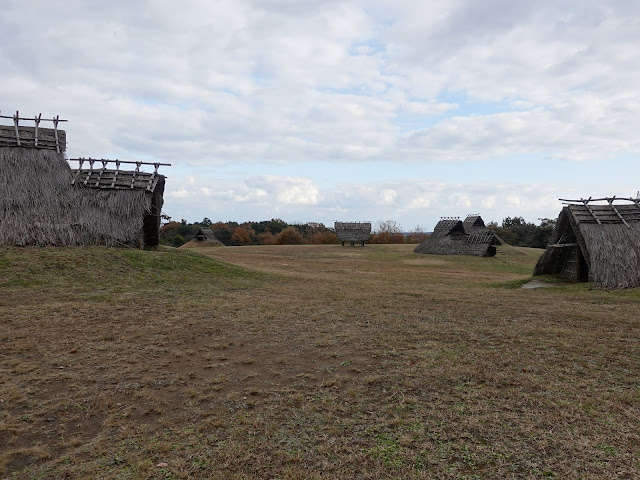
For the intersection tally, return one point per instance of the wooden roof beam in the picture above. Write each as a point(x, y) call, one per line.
point(617, 212)
point(586, 204)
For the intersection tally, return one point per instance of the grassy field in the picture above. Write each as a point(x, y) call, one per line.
point(291, 362)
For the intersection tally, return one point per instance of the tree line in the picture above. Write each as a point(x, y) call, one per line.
point(516, 231)
point(513, 230)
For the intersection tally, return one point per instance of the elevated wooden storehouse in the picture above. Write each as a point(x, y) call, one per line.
point(452, 236)
point(595, 240)
point(353, 232)
point(203, 238)
point(44, 202)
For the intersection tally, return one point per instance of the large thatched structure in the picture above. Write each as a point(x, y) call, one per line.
point(44, 202)
point(593, 242)
point(203, 238)
point(353, 232)
point(452, 236)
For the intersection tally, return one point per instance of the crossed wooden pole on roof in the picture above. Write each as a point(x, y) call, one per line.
point(37, 119)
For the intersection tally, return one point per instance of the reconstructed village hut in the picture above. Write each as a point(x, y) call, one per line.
point(353, 232)
point(44, 202)
point(593, 242)
point(474, 225)
point(128, 201)
point(451, 236)
point(204, 238)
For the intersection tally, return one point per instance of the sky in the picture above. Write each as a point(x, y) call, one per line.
point(341, 110)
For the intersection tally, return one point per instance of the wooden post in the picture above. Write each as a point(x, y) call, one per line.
point(37, 120)
point(55, 131)
point(115, 175)
point(135, 173)
point(16, 120)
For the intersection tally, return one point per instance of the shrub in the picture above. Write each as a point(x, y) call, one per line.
point(242, 236)
point(177, 241)
point(289, 236)
point(266, 238)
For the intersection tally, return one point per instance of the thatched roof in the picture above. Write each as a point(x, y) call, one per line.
point(205, 234)
point(115, 179)
point(473, 221)
point(40, 205)
point(353, 231)
point(204, 238)
point(597, 243)
point(30, 137)
point(452, 237)
point(474, 225)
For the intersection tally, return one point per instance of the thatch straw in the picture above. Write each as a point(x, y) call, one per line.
point(449, 238)
point(112, 217)
point(611, 251)
point(36, 198)
point(39, 206)
point(614, 254)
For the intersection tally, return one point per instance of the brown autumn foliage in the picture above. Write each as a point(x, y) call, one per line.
point(387, 237)
point(322, 238)
point(243, 236)
point(289, 236)
point(418, 235)
point(170, 228)
point(266, 238)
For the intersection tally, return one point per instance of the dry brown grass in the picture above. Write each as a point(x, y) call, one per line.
point(311, 362)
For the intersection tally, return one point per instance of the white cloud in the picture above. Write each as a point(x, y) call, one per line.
point(273, 85)
point(388, 196)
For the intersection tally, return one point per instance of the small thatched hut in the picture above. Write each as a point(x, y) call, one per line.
point(593, 242)
point(204, 238)
point(451, 236)
point(44, 202)
point(353, 232)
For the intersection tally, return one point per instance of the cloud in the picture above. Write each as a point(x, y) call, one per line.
point(269, 87)
point(276, 82)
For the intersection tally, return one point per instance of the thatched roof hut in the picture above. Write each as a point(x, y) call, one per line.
point(451, 236)
point(474, 224)
point(44, 202)
point(599, 243)
point(353, 232)
point(203, 238)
